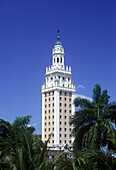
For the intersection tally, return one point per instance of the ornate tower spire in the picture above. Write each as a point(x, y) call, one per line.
point(58, 53)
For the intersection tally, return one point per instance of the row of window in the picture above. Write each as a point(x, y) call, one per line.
point(65, 111)
point(65, 135)
point(53, 111)
point(61, 93)
point(60, 105)
point(60, 99)
point(60, 117)
point(49, 99)
point(66, 93)
point(60, 141)
point(49, 129)
point(49, 123)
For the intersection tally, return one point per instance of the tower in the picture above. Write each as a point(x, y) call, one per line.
point(58, 93)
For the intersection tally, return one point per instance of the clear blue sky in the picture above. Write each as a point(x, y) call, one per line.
point(27, 36)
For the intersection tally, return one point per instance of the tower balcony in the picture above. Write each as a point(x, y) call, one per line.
point(45, 87)
point(58, 68)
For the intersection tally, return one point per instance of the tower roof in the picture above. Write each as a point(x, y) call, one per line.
point(58, 38)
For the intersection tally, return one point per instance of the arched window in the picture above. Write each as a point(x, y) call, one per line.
point(57, 60)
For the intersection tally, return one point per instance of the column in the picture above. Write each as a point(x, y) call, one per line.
point(56, 117)
point(43, 105)
point(73, 109)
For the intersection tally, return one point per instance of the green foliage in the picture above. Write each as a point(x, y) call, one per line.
point(91, 122)
point(20, 149)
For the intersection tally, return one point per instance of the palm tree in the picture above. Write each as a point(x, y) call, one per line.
point(90, 122)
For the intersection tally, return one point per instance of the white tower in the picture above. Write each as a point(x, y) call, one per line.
point(57, 99)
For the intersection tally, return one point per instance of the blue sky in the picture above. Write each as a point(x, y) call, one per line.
point(28, 30)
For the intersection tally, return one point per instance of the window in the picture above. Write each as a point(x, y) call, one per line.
point(49, 99)
point(51, 78)
point(70, 94)
point(60, 92)
point(45, 129)
point(65, 93)
point(53, 104)
point(63, 78)
point(49, 129)
point(60, 123)
point(60, 116)
point(53, 110)
point(60, 98)
point(53, 142)
point(70, 135)
point(65, 98)
point(70, 141)
point(60, 129)
point(65, 104)
point(53, 135)
point(45, 100)
point(45, 111)
point(60, 135)
point(65, 141)
point(60, 104)
point(60, 141)
point(68, 79)
point(65, 123)
point(45, 123)
point(57, 60)
point(53, 116)
point(45, 117)
point(49, 117)
point(65, 129)
point(52, 129)
point(45, 136)
point(45, 105)
point(65, 111)
point(52, 98)
point(63, 85)
point(52, 123)
point(49, 111)
point(54, 60)
point(49, 123)
point(70, 129)
point(61, 60)
point(65, 135)
point(65, 117)
point(69, 105)
point(49, 105)
point(60, 110)
point(69, 99)
point(49, 93)
point(69, 111)
point(69, 117)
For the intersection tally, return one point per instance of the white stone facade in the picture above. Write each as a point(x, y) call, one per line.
point(58, 93)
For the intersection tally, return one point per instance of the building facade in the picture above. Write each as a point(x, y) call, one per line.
point(58, 93)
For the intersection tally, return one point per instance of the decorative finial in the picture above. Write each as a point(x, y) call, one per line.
point(58, 31)
point(58, 38)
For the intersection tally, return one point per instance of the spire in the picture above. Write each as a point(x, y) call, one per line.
point(58, 38)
